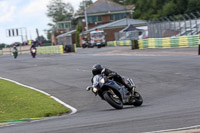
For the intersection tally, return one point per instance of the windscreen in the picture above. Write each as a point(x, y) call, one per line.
point(97, 35)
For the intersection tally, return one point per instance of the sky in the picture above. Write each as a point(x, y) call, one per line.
point(26, 15)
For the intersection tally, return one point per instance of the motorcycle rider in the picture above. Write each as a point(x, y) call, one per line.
point(32, 47)
point(97, 69)
point(15, 51)
point(33, 50)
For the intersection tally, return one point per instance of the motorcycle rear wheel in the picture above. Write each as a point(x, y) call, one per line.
point(116, 103)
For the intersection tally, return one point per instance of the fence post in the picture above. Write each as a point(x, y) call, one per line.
point(199, 50)
point(199, 45)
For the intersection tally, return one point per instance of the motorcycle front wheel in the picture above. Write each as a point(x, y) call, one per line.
point(113, 100)
point(138, 99)
point(84, 46)
point(33, 55)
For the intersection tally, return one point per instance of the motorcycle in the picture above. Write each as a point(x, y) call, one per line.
point(15, 53)
point(115, 93)
point(86, 44)
point(33, 52)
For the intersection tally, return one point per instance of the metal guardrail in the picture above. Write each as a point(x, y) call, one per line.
point(131, 35)
point(174, 26)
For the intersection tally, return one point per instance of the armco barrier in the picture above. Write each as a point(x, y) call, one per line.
point(173, 42)
point(50, 50)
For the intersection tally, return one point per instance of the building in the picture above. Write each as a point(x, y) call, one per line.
point(104, 11)
point(111, 28)
point(105, 15)
point(60, 28)
point(64, 25)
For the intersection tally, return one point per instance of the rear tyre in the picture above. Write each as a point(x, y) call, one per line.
point(113, 101)
point(138, 99)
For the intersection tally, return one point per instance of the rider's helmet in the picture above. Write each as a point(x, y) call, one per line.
point(96, 69)
point(32, 46)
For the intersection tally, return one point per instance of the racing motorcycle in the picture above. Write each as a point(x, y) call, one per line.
point(15, 52)
point(115, 93)
point(33, 52)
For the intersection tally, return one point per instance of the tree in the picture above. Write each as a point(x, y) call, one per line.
point(181, 5)
point(2, 45)
point(87, 3)
point(41, 38)
point(153, 9)
point(78, 31)
point(81, 6)
point(170, 9)
point(193, 6)
point(59, 11)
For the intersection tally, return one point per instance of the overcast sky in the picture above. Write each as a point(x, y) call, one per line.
point(30, 14)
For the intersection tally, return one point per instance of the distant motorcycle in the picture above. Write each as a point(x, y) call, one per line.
point(15, 52)
point(33, 52)
point(115, 93)
point(86, 44)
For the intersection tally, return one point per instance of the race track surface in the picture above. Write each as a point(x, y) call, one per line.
point(168, 80)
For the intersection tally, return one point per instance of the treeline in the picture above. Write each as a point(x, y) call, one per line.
point(153, 9)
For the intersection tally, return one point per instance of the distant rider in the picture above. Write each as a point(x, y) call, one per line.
point(97, 69)
point(32, 47)
point(15, 49)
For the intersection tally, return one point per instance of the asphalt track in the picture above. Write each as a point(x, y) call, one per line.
point(169, 81)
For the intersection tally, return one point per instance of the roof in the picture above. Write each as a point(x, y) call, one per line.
point(130, 28)
point(107, 6)
point(119, 23)
point(66, 34)
point(96, 31)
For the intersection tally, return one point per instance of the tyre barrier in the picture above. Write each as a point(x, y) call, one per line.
point(50, 50)
point(173, 42)
point(119, 43)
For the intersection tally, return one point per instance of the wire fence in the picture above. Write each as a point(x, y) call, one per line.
point(131, 35)
point(181, 25)
point(172, 26)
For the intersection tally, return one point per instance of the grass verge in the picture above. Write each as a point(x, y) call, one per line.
point(18, 102)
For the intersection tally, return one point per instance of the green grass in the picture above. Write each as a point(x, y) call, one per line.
point(18, 102)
